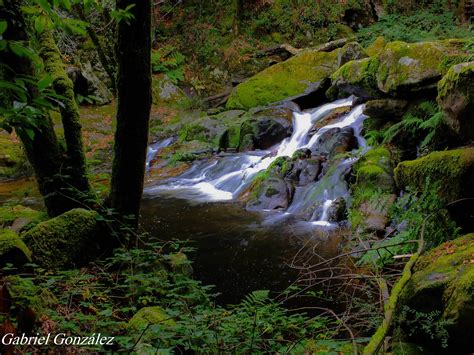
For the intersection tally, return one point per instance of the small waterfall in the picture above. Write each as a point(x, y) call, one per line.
point(154, 148)
point(226, 178)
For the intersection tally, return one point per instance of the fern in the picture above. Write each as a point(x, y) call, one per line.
point(409, 125)
point(255, 299)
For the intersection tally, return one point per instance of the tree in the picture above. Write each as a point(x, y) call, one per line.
point(60, 175)
point(133, 110)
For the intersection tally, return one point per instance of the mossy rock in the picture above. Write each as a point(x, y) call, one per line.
point(12, 249)
point(142, 327)
point(456, 98)
point(453, 170)
point(298, 75)
point(64, 241)
point(13, 162)
point(165, 92)
point(407, 68)
point(9, 214)
point(386, 109)
point(374, 170)
point(376, 47)
point(358, 77)
point(350, 51)
point(443, 283)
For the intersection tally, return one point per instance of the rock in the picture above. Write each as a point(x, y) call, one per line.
point(309, 170)
point(453, 170)
point(262, 132)
point(350, 51)
point(375, 212)
point(335, 141)
point(408, 68)
point(66, 240)
point(358, 77)
point(374, 170)
point(385, 108)
point(18, 217)
point(164, 91)
point(376, 47)
point(442, 284)
point(456, 98)
point(295, 76)
point(269, 194)
point(338, 211)
point(12, 249)
point(93, 85)
point(302, 153)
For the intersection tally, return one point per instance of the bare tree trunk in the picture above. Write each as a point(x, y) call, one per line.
point(133, 111)
point(76, 161)
point(42, 150)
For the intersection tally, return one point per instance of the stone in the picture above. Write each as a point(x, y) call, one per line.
point(376, 47)
point(386, 109)
point(66, 240)
point(335, 141)
point(12, 249)
point(350, 51)
point(269, 194)
point(164, 91)
point(456, 98)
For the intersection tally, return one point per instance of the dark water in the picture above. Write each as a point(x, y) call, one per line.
point(236, 250)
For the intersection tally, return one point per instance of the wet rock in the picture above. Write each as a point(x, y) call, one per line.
point(374, 170)
point(270, 194)
point(66, 240)
point(456, 98)
point(386, 109)
point(309, 170)
point(336, 141)
point(301, 154)
point(338, 211)
point(375, 212)
point(442, 284)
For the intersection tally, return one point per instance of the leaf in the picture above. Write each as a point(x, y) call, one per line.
point(67, 5)
point(3, 27)
point(41, 22)
point(45, 82)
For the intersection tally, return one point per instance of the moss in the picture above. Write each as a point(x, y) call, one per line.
point(376, 47)
point(8, 214)
point(413, 66)
point(148, 316)
point(450, 169)
point(358, 77)
point(280, 81)
point(13, 162)
point(65, 240)
point(12, 248)
point(374, 170)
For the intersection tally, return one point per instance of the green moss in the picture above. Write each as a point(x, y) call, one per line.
point(8, 214)
point(283, 80)
point(64, 240)
point(148, 316)
point(413, 66)
point(13, 162)
point(12, 247)
point(358, 77)
point(376, 47)
point(450, 169)
point(374, 170)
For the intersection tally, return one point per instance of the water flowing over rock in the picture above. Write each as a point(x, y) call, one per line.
point(295, 176)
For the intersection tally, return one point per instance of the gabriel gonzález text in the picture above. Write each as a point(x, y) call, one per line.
point(57, 339)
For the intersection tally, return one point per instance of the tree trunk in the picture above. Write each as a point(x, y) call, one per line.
point(239, 9)
point(76, 161)
point(133, 111)
point(42, 150)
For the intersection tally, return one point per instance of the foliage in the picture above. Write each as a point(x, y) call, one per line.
point(104, 296)
point(427, 323)
point(169, 61)
point(423, 25)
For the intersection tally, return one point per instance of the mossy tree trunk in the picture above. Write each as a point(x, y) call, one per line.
point(75, 167)
point(133, 111)
point(42, 150)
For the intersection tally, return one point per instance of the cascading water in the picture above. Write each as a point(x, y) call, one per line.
point(154, 148)
point(227, 177)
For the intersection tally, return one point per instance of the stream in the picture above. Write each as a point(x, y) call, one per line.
point(238, 249)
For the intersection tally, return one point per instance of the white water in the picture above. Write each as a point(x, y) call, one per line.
point(226, 178)
point(154, 148)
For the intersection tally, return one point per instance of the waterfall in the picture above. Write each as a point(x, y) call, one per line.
point(154, 148)
point(226, 178)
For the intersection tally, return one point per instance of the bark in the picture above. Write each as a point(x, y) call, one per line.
point(43, 150)
point(133, 111)
point(239, 9)
point(76, 161)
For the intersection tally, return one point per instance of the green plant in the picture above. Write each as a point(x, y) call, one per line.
point(169, 61)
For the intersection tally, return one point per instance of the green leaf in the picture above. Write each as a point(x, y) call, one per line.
point(67, 5)
point(40, 24)
point(3, 26)
point(45, 82)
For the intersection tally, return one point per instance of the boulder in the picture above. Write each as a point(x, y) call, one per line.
point(164, 91)
point(335, 141)
point(453, 170)
point(456, 98)
point(269, 194)
point(299, 75)
point(442, 284)
point(376, 47)
point(66, 240)
point(12, 249)
point(350, 51)
point(262, 133)
point(387, 109)
point(374, 170)
point(408, 68)
point(88, 81)
point(358, 77)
